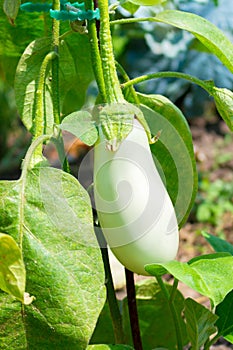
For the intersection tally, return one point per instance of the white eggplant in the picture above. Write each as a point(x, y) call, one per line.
point(134, 209)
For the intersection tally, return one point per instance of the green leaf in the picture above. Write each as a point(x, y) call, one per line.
point(104, 332)
point(219, 245)
point(225, 321)
point(14, 39)
point(129, 6)
point(155, 317)
point(205, 274)
point(79, 49)
point(82, 126)
point(11, 8)
point(206, 32)
point(12, 331)
point(52, 212)
point(224, 103)
point(173, 152)
point(26, 80)
point(75, 75)
point(200, 323)
point(109, 347)
point(12, 270)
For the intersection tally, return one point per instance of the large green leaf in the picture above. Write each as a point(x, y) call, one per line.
point(155, 319)
point(12, 270)
point(173, 152)
point(206, 32)
point(52, 212)
point(225, 320)
point(205, 274)
point(75, 75)
point(200, 323)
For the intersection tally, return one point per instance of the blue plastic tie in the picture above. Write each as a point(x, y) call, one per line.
point(69, 11)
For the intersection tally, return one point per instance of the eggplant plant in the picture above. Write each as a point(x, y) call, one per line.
point(55, 278)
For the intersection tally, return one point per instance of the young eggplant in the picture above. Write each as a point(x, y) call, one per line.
point(134, 209)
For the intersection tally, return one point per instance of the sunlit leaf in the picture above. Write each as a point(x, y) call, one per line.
point(12, 270)
point(64, 268)
point(205, 31)
point(205, 274)
point(224, 102)
point(81, 125)
point(75, 74)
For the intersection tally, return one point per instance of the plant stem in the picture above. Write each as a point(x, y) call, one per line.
point(133, 20)
point(55, 65)
point(174, 289)
point(39, 113)
point(95, 54)
point(126, 78)
point(111, 296)
point(132, 306)
point(113, 89)
point(157, 75)
point(173, 311)
point(55, 89)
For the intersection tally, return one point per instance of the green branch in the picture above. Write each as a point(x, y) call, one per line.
point(114, 93)
point(38, 123)
point(95, 54)
point(133, 20)
point(126, 78)
point(172, 309)
point(143, 78)
point(55, 66)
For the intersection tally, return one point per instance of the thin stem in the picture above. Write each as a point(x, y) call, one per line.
point(126, 78)
point(95, 55)
point(111, 296)
point(133, 314)
point(173, 312)
point(157, 75)
point(55, 89)
point(133, 20)
point(114, 93)
point(174, 289)
point(55, 66)
point(39, 113)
